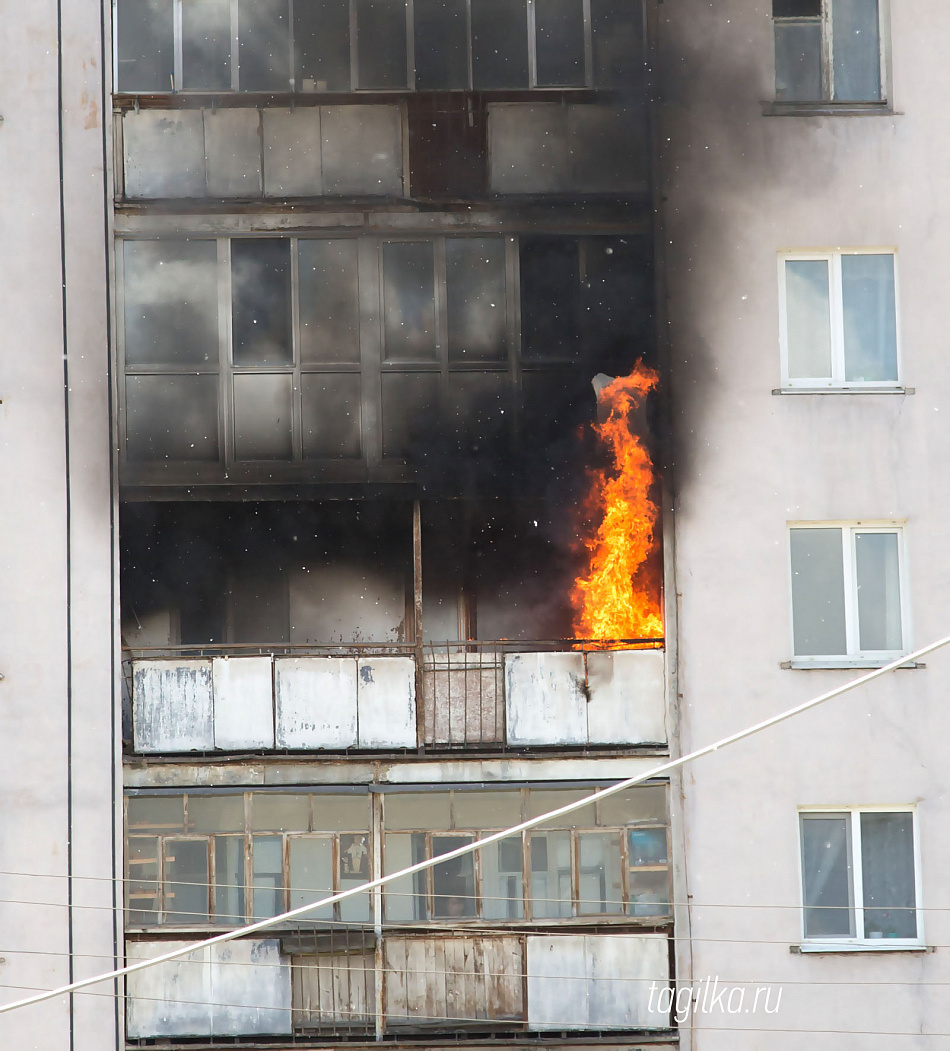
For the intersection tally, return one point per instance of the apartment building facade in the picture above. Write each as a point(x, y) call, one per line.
point(316, 316)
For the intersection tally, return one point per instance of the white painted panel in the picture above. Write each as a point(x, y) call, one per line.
point(171, 706)
point(627, 697)
point(237, 989)
point(387, 702)
point(233, 152)
point(528, 148)
point(292, 152)
point(315, 699)
point(599, 981)
point(362, 149)
point(544, 698)
point(243, 702)
point(164, 153)
point(250, 989)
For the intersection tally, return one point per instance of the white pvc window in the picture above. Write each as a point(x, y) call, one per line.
point(839, 319)
point(828, 51)
point(848, 588)
point(860, 877)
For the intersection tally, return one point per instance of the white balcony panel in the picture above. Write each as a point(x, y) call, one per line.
point(243, 702)
point(233, 152)
point(292, 166)
point(387, 702)
point(315, 702)
point(172, 707)
point(164, 153)
point(597, 981)
point(241, 988)
point(627, 697)
point(544, 698)
point(362, 150)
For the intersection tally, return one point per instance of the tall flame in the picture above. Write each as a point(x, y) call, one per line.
point(614, 599)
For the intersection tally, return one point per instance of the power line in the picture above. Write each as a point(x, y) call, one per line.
point(470, 848)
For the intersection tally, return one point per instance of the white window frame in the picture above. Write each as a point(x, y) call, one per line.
point(837, 379)
point(855, 656)
point(826, 20)
point(845, 944)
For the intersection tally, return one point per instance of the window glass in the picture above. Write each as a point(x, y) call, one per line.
point(142, 888)
point(146, 45)
point(329, 300)
point(263, 416)
point(499, 809)
point(453, 881)
point(635, 804)
point(798, 62)
point(264, 35)
point(229, 880)
point(796, 8)
point(171, 417)
point(550, 854)
point(268, 854)
point(540, 801)
point(349, 812)
point(311, 873)
point(441, 44)
point(475, 292)
point(409, 301)
point(354, 869)
point(156, 814)
point(808, 318)
point(827, 875)
point(818, 616)
point(277, 812)
point(647, 847)
point(216, 813)
point(416, 810)
point(870, 322)
point(206, 45)
point(887, 862)
point(260, 301)
point(171, 302)
point(559, 42)
point(599, 874)
point(879, 600)
point(322, 45)
point(405, 898)
point(617, 42)
point(330, 415)
point(499, 44)
point(381, 43)
point(411, 408)
point(186, 881)
point(856, 46)
point(549, 290)
point(502, 880)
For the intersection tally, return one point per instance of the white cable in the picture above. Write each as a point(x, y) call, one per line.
point(468, 848)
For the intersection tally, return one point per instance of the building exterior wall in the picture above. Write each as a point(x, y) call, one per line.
point(742, 186)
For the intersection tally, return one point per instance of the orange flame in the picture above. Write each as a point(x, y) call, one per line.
point(615, 599)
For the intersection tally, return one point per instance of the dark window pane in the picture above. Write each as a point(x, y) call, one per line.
point(260, 301)
point(879, 593)
point(330, 415)
point(870, 319)
point(798, 62)
point(479, 412)
point(264, 39)
point(206, 45)
point(856, 45)
point(322, 43)
point(186, 881)
point(409, 301)
point(475, 276)
point(329, 300)
point(441, 44)
point(229, 880)
point(559, 42)
point(381, 43)
point(796, 8)
point(453, 881)
point(499, 44)
point(549, 290)
point(410, 408)
point(146, 45)
point(826, 876)
point(142, 888)
point(268, 870)
point(818, 592)
point(887, 863)
point(617, 42)
point(171, 302)
point(171, 417)
point(262, 416)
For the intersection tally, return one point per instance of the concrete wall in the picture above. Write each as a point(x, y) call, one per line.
point(740, 187)
point(56, 713)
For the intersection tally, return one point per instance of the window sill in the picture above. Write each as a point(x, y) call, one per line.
point(828, 109)
point(844, 390)
point(831, 948)
point(805, 664)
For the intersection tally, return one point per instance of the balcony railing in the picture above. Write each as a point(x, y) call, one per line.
point(372, 697)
